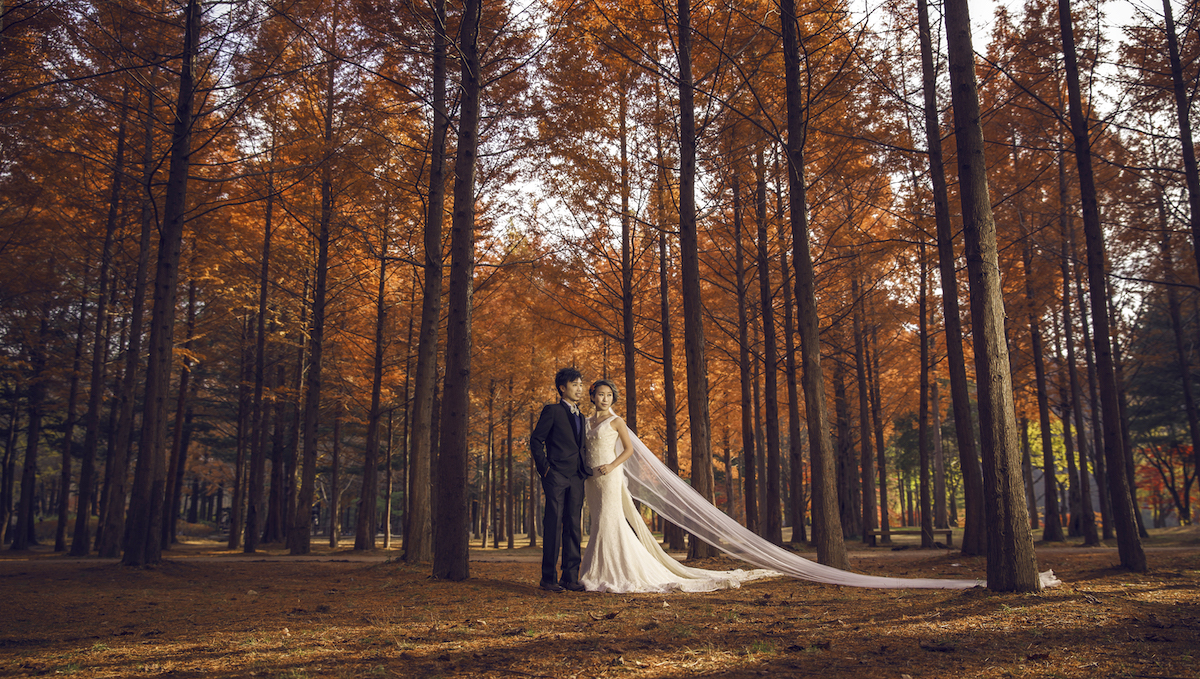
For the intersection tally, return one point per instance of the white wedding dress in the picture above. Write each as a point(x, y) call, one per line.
point(622, 554)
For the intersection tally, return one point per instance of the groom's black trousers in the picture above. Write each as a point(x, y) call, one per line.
point(564, 505)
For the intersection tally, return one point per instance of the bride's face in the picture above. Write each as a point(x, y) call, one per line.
point(603, 398)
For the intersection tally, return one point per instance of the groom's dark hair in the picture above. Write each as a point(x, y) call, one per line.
point(564, 376)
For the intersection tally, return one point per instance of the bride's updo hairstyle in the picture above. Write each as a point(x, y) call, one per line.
point(602, 383)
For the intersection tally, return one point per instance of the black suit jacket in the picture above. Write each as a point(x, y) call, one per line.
point(555, 445)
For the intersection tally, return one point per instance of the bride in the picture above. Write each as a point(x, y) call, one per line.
point(622, 554)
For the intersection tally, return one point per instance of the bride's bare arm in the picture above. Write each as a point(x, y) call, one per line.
point(626, 447)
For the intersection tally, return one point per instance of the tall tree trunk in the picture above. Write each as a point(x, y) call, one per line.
point(974, 540)
point(877, 421)
point(689, 256)
point(749, 454)
point(335, 487)
point(509, 514)
point(1052, 526)
point(68, 442)
point(771, 511)
point(628, 345)
point(1183, 114)
point(847, 466)
point(142, 536)
point(418, 527)
point(795, 445)
point(1093, 399)
point(870, 510)
point(238, 503)
point(450, 555)
point(672, 534)
point(8, 470)
point(1088, 514)
point(1011, 561)
point(924, 479)
point(178, 450)
point(111, 530)
point(1027, 471)
point(300, 540)
point(1129, 544)
point(827, 525)
point(23, 536)
point(364, 529)
point(1174, 310)
point(939, 458)
point(256, 512)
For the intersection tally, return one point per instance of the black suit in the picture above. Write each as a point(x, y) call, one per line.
point(557, 444)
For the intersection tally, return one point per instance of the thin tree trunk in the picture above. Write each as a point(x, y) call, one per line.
point(364, 529)
point(974, 540)
point(628, 344)
point(924, 479)
point(23, 536)
point(509, 499)
point(255, 514)
point(335, 489)
point(870, 510)
point(772, 510)
point(847, 466)
point(672, 534)
point(1027, 471)
point(877, 421)
point(749, 456)
point(238, 502)
point(795, 444)
point(1011, 561)
point(178, 450)
point(1174, 310)
point(450, 555)
point(1093, 399)
point(1129, 544)
point(64, 483)
point(827, 528)
point(939, 458)
point(1052, 526)
point(142, 536)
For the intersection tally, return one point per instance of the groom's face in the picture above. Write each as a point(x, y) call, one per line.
point(572, 391)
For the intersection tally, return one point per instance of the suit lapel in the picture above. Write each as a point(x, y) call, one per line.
point(573, 422)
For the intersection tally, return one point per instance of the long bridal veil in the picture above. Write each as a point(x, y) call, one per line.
point(663, 491)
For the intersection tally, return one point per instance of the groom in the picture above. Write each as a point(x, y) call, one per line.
point(557, 444)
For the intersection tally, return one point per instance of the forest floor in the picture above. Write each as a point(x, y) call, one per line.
point(208, 612)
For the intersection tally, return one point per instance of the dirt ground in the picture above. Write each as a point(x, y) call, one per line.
point(206, 612)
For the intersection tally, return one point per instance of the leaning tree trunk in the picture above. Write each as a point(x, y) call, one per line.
point(974, 539)
point(1174, 310)
point(142, 535)
point(827, 525)
point(1129, 544)
point(418, 527)
point(1088, 515)
point(689, 256)
point(450, 546)
point(1011, 561)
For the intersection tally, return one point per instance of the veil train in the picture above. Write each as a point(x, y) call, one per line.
point(662, 490)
